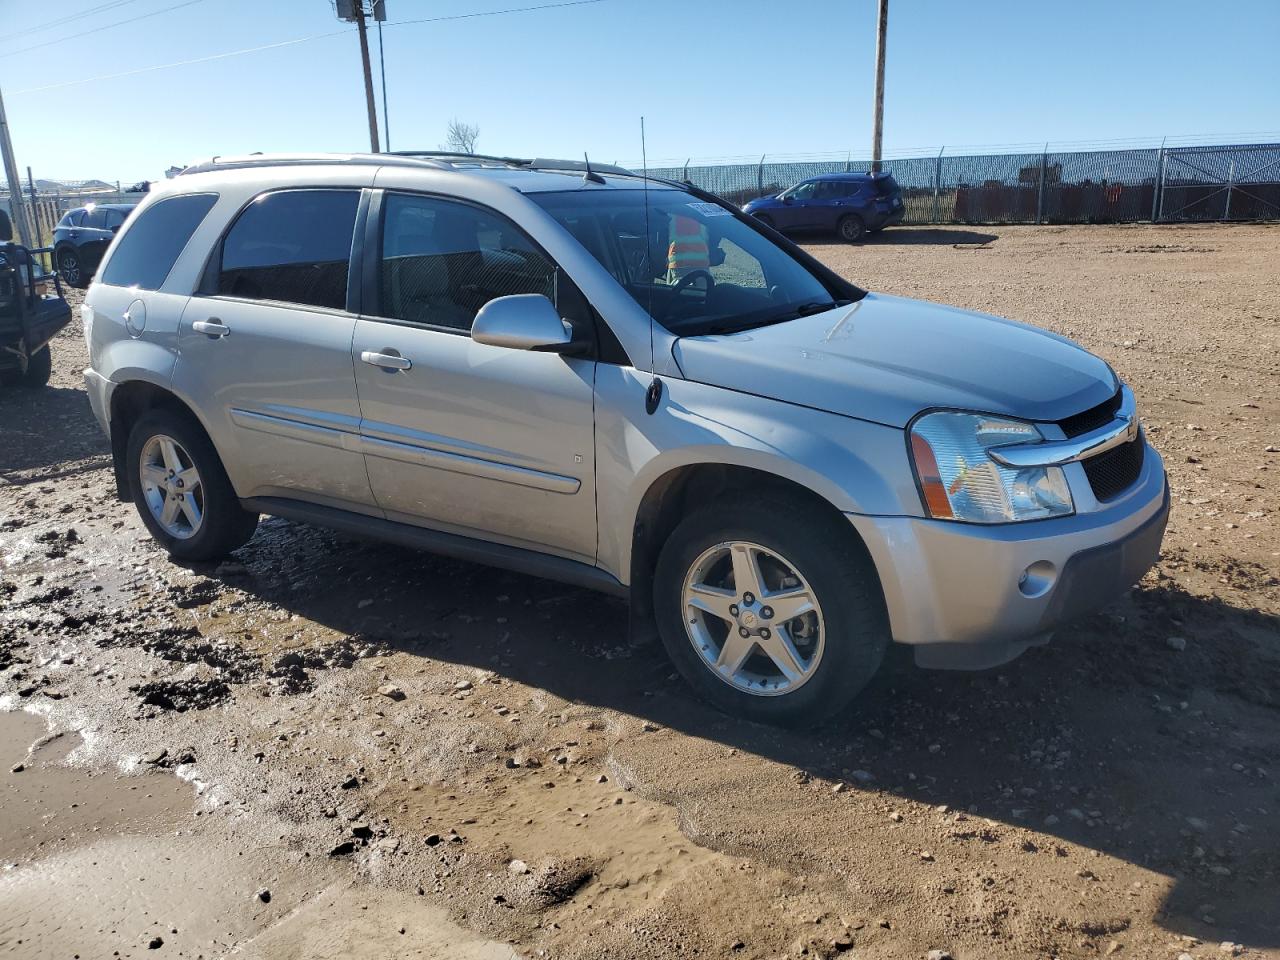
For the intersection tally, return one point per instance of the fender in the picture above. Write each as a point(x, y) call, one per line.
point(855, 465)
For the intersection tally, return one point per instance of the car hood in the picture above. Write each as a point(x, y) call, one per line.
point(888, 358)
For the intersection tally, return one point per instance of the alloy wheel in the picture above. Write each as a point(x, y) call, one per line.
point(70, 264)
point(753, 618)
point(171, 487)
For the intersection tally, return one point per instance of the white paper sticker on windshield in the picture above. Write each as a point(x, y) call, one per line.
point(709, 209)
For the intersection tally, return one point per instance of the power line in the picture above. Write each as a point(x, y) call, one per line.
point(496, 13)
point(97, 30)
point(298, 40)
point(183, 63)
point(50, 24)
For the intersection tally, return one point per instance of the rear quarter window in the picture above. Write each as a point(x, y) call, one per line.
point(155, 239)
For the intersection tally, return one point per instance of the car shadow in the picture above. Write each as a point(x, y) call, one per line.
point(1111, 736)
point(47, 434)
point(908, 236)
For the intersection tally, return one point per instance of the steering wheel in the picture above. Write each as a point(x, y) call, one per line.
point(687, 281)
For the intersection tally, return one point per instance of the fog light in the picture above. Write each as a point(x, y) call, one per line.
point(1037, 579)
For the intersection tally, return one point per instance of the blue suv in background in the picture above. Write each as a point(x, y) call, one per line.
point(849, 205)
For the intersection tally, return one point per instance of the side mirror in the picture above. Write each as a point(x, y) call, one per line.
point(116, 228)
point(786, 200)
point(523, 321)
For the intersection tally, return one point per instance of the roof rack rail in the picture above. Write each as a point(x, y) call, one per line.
point(286, 159)
point(538, 163)
point(450, 156)
point(442, 160)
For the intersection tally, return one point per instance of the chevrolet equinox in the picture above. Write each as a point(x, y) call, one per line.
point(623, 383)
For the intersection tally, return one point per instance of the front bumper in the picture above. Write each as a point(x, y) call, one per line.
point(970, 596)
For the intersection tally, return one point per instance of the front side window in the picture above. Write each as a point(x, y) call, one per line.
point(112, 219)
point(95, 219)
point(151, 246)
point(801, 191)
point(442, 261)
point(701, 270)
point(73, 218)
point(291, 246)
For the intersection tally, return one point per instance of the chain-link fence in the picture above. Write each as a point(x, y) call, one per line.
point(1239, 182)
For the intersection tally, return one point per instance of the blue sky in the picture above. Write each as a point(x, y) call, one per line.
point(714, 78)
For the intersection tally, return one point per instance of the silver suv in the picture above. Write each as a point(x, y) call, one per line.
point(621, 383)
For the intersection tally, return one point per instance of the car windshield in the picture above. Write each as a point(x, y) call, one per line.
point(702, 271)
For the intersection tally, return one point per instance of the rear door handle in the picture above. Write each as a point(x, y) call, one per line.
point(387, 361)
point(212, 328)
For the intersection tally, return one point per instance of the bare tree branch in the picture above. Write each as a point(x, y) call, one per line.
point(462, 137)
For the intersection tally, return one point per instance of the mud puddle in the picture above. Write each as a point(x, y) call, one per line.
point(100, 863)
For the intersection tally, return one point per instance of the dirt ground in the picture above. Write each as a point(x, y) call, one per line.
point(326, 748)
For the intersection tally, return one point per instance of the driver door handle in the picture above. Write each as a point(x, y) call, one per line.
point(387, 361)
point(212, 328)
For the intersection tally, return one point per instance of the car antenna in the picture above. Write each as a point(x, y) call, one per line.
point(590, 176)
point(653, 395)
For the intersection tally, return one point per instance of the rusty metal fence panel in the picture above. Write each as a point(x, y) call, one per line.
point(1097, 186)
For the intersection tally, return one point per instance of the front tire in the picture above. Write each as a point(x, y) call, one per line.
point(39, 369)
point(181, 489)
point(768, 612)
point(851, 229)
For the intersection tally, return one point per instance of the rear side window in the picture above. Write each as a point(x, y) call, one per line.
point(291, 246)
point(150, 247)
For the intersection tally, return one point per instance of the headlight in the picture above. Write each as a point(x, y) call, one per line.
point(958, 481)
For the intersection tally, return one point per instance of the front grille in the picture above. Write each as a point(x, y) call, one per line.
point(1112, 473)
point(1091, 419)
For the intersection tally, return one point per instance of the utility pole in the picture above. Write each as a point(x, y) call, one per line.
point(368, 77)
point(380, 14)
point(877, 127)
point(353, 12)
point(16, 205)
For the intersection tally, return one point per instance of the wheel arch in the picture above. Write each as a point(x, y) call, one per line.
point(129, 401)
point(683, 489)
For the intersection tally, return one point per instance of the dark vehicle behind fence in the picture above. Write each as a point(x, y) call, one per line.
point(82, 237)
point(849, 205)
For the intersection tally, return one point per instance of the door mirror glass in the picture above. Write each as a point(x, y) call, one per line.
point(522, 321)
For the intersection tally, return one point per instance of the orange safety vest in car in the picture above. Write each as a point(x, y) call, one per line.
point(688, 250)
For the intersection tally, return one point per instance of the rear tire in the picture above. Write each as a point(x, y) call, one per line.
point(39, 369)
point(835, 647)
point(171, 459)
point(851, 229)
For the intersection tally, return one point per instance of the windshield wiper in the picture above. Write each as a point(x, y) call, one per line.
point(807, 309)
point(801, 310)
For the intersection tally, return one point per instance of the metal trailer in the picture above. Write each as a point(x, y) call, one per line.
point(30, 315)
